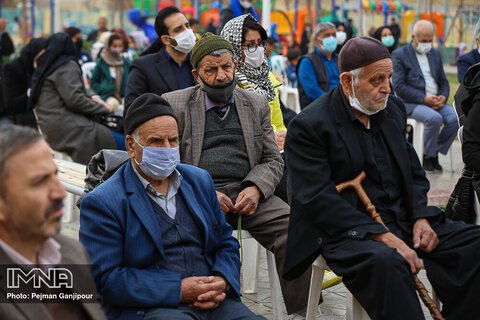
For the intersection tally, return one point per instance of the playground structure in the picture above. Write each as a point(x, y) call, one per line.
point(452, 24)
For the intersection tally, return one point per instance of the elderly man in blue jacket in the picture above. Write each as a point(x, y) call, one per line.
point(469, 59)
point(159, 243)
point(420, 82)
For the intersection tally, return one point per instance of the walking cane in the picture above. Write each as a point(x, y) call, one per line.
point(356, 184)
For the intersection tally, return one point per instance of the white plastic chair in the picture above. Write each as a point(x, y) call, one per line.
point(250, 268)
point(87, 69)
point(354, 310)
point(418, 128)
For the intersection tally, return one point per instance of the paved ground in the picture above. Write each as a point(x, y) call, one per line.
point(333, 307)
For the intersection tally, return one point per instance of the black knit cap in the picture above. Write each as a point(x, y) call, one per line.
point(146, 107)
point(360, 52)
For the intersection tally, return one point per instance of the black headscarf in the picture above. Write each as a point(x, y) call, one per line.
point(60, 50)
point(30, 51)
point(378, 35)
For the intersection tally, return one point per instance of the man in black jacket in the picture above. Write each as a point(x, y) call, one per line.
point(358, 127)
point(169, 69)
point(6, 48)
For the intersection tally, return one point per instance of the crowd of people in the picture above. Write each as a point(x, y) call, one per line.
point(206, 148)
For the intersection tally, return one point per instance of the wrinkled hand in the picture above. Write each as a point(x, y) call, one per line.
point(247, 201)
point(430, 101)
point(405, 251)
point(3, 25)
point(280, 139)
point(193, 287)
point(226, 203)
point(424, 237)
point(439, 102)
point(212, 298)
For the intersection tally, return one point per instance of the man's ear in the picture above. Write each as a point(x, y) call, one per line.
point(346, 79)
point(195, 75)
point(166, 40)
point(129, 144)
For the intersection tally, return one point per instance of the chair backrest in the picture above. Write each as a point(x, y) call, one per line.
point(87, 69)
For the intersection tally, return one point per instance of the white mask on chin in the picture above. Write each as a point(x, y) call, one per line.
point(355, 104)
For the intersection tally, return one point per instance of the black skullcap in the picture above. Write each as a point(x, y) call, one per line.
point(146, 107)
point(360, 52)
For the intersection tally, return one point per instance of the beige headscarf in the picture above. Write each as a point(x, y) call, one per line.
point(114, 61)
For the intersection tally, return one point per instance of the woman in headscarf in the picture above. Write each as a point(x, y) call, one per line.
point(110, 74)
point(16, 80)
point(64, 110)
point(385, 35)
point(248, 39)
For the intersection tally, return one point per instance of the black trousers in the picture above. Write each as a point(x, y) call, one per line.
point(381, 280)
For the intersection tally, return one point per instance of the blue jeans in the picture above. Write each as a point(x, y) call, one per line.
point(434, 140)
point(229, 309)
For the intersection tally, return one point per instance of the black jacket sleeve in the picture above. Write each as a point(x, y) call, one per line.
point(471, 138)
point(6, 45)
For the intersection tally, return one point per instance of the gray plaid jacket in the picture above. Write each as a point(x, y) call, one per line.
point(266, 164)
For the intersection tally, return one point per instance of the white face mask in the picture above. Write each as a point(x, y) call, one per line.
point(341, 37)
point(255, 59)
point(355, 104)
point(185, 41)
point(424, 47)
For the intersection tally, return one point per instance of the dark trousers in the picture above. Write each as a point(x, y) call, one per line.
point(229, 309)
point(269, 226)
point(381, 280)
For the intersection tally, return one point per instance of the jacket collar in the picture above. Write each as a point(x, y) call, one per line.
point(143, 209)
point(164, 70)
point(197, 113)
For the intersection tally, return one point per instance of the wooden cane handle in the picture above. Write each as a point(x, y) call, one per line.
point(356, 184)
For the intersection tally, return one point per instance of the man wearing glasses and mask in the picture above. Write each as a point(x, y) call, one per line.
point(165, 66)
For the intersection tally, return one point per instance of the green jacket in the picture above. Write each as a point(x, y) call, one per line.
point(102, 82)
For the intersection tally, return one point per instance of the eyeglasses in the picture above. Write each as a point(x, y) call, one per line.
point(252, 47)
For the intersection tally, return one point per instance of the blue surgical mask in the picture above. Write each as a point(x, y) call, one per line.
point(329, 44)
point(388, 41)
point(158, 163)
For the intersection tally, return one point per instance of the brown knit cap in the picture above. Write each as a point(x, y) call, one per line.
point(360, 52)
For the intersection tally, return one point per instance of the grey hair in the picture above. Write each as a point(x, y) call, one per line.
point(420, 23)
point(476, 32)
point(215, 53)
point(356, 75)
point(322, 27)
point(135, 134)
point(14, 139)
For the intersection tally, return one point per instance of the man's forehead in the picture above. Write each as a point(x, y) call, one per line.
point(175, 20)
point(215, 61)
point(158, 125)
point(34, 160)
point(379, 67)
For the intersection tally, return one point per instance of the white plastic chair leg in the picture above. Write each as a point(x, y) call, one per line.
point(355, 310)
point(316, 281)
point(68, 207)
point(277, 298)
point(250, 264)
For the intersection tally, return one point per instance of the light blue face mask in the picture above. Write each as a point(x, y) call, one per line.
point(329, 44)
point(158, 163)
point(388, 41)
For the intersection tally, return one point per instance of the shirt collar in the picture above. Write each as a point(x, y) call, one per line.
point(173, 185)
point(209, 104)
point(48, 254)
point(169, 57)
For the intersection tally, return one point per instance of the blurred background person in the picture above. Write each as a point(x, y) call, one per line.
point(195, 25)
point(235, 9)
point(469, 59)
point(109, 77)
point(6, 48)
point(395, 29)
point(293, 57)
point(64, 111)
point(341, 35)
point(102, 27)
point(98, 46)
point(76, 35)
point(385, 35)
point(17, 77)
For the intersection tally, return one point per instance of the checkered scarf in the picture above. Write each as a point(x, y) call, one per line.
point(248, 77)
